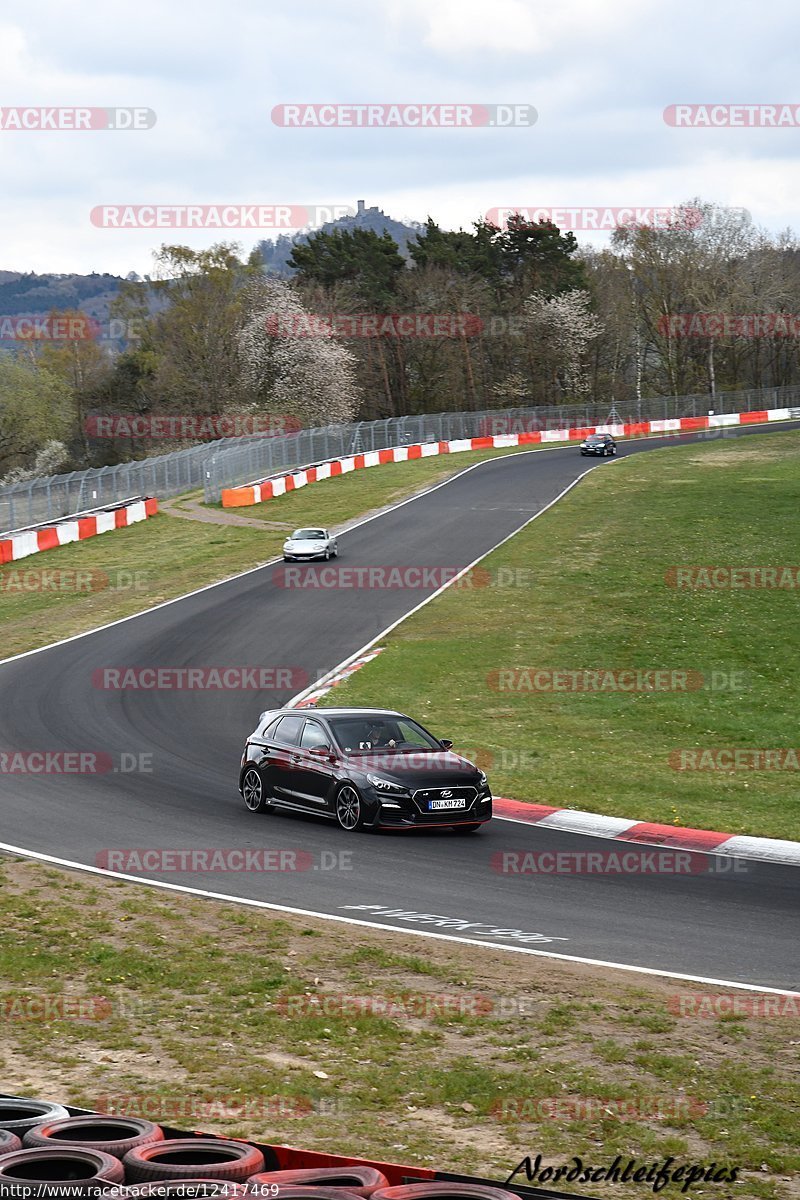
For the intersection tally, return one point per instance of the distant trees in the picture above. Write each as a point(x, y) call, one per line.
point(368, 262)
point(34, 411)
point(713, 266)
point(465, 319)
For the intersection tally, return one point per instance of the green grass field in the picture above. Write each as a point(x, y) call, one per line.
point(588, 589)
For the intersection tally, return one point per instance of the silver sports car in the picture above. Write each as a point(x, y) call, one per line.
point(305, 544)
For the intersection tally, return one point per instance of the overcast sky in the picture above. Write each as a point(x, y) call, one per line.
point(599, 73)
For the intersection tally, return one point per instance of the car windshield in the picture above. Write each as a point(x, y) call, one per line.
point(367, 734)
point(306, 535)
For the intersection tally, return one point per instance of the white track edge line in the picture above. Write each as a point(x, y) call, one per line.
point(444, 937)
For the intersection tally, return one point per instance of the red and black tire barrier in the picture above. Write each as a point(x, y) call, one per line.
point(151, 1176)
point(60, 1171)
point(362, 1181)
point(113, 1135)
point(193, 1158)
point(19, 1114)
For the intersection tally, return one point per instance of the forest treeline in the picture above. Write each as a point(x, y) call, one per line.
point(482, 318)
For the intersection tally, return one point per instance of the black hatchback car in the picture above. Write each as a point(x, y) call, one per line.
point(364, 768)
point(599, 444)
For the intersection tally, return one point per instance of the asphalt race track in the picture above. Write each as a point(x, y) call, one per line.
point(737, 926)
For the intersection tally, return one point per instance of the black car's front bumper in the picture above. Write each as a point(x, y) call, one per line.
point(407, 812)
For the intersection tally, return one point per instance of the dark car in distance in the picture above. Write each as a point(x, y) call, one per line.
point(363, 768)
point(599, 444)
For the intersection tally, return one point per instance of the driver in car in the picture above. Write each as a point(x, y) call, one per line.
point(378, 737)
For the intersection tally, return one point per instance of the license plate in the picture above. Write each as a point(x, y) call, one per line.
point(433, 805)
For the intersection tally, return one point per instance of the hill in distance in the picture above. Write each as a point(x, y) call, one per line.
point(26, 294)
point(275, 254)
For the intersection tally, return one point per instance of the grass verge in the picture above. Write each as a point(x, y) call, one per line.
point(473, 1062)
point(587, 588)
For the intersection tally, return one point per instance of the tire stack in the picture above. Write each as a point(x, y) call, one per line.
point(47, 1154)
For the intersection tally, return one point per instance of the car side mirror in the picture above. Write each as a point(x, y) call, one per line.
point(322, 751)
point(445, 743)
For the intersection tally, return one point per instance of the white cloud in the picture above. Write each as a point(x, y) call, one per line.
point(512, 26)
point(599, 76)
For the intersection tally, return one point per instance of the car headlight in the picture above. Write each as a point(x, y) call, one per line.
point(385, 785)
point(482, 780)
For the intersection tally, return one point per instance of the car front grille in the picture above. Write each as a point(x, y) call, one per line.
point(423, 795)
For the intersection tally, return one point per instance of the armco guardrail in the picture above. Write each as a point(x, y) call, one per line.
point(229, 462)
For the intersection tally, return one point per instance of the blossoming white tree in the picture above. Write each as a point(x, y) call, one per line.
point(564, 325)
point(290, 363)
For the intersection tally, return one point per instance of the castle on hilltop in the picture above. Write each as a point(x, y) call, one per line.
point(276, 254)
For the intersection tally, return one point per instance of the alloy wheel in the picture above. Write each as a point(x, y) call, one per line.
point(253, 792)
point(348, 808)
